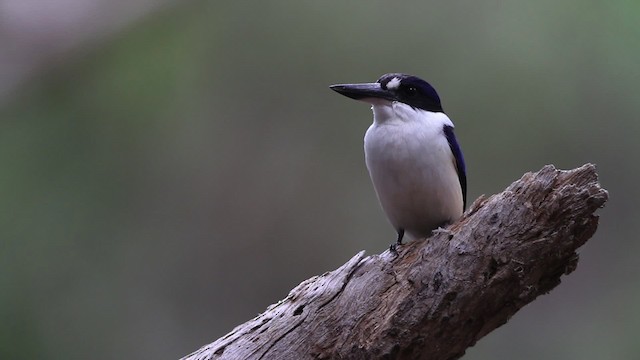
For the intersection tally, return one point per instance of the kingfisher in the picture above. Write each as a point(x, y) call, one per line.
point(414, 160)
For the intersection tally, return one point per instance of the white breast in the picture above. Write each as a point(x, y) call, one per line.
point(412, 168)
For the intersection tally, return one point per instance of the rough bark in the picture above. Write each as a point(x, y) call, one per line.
point(434, 298)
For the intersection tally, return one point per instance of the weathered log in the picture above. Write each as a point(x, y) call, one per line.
point(436, 297)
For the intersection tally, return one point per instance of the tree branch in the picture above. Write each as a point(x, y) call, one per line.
point(436, 297)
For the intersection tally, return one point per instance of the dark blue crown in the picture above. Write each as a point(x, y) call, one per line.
point(412, 91)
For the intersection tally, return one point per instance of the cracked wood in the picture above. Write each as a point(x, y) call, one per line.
point(435, 298)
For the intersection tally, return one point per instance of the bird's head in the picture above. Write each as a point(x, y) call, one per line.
point(407, 89)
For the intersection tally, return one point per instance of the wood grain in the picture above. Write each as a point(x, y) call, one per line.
point(435, 297)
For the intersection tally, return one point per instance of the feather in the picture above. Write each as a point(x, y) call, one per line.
point(459, 162)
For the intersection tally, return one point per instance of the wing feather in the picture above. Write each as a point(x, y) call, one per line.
point(459, 162)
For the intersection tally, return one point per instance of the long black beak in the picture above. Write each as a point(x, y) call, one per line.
point(363, 91)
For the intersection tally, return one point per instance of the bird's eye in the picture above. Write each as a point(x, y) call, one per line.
point(411, 90)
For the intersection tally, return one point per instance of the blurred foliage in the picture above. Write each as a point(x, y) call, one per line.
point(163, 185)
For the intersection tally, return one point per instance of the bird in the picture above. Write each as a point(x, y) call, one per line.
point(414, 160)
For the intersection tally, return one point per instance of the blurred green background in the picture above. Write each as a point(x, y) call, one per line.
point(168, 170)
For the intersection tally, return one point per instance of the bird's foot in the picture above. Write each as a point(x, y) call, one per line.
point(393, 248)
point(400, 236)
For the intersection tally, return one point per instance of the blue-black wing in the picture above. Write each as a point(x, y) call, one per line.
point(457, 154)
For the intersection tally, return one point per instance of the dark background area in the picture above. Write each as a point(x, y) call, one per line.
point(168, 170)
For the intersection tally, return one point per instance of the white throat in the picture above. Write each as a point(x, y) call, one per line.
point(394, 112)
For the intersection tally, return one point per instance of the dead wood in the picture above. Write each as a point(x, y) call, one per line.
point(437, 297)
